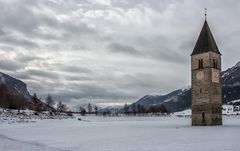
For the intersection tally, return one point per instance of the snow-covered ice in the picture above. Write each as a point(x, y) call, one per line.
point(120, 134)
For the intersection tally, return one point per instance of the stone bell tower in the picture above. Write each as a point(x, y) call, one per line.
point(206, 80)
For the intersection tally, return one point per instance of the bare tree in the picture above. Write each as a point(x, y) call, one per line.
point(89, 108)
point(11, 100)
point(49, 101)
point(20, 102)
point(96, 109)
point(138, 108)
point(126, 108)
point(82, 111)
point(36, 103)
point(4, 103)
point(61, 107)
point(134, 109)
point(141, 109)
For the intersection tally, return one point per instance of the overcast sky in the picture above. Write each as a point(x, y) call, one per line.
point(110, 50)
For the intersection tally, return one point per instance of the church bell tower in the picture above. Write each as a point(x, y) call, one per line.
point(206, 80)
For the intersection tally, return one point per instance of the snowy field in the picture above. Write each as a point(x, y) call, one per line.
point(120, 134)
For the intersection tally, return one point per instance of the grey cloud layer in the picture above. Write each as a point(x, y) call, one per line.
point(109, 50)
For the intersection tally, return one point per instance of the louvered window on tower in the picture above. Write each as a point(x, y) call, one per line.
point(200, 64)
point(215, 64)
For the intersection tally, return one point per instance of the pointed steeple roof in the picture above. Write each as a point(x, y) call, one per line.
point(205, 42)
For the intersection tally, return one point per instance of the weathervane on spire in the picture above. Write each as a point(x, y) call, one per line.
point(205, 13)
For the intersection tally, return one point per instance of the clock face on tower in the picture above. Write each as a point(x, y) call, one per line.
point(215, 76)
point(200, 75)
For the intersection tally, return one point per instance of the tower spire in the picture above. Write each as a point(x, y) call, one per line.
point(205, 42)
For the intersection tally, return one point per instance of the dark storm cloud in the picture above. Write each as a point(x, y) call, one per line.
point(41, 73)
point(21, 75)
point(157, 47)
point(145, 82)
point(75, 69)
point(79, 29)
point(18, 42)
point(169, 55)
point(9, 65)
point(27, 58)
point(79, 91)
point(2, 33)
point(23, 19)
point(78, 77)
point(120, 48)
point(87, 92)
point(187, 45)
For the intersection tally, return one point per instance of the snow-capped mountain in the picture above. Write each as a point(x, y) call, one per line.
point(111, 109)
point(14, 85)
point(231, 76)
point(175, 101)
point(231, 83)
point(180, 99)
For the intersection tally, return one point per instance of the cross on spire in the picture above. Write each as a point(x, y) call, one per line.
point(205, 13)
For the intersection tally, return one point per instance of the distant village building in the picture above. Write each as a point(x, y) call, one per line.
point(236, 108)
point(206, 80)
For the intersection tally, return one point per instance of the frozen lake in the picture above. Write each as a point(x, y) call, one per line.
point(120, 134)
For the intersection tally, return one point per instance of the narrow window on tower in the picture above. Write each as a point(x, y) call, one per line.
point(200, 91)
point(215, 64)
point(203, 115)
point(200, 64)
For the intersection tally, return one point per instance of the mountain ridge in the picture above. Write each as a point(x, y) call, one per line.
point(14, 85)
point(180, 99)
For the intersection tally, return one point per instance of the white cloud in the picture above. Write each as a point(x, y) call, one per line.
point(101, 2)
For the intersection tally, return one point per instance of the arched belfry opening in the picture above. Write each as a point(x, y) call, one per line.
point(200, 64)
